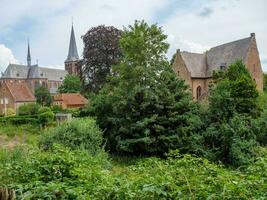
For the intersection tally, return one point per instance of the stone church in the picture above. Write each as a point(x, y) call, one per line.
point(18, 82)
point(36, 76)
point(197, 68)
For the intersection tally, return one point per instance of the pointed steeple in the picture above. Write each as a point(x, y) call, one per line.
point(73, 53)
point(29, 55)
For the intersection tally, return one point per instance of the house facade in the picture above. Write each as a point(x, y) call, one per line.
point(196, 69)
point(13, 94)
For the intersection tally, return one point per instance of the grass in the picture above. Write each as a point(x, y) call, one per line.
point(11, 135)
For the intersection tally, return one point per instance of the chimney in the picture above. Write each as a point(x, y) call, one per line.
point(252, 35)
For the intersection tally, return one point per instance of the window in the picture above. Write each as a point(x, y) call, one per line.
point(254, 68)
point(17, 74)
point(198, 92)
point(5, 100)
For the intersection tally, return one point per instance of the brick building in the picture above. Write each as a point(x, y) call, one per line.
point(196, 69)
point(14, 93)
point(69, 100)
point(36, 76)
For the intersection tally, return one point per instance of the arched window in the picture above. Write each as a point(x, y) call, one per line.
point(198, 92)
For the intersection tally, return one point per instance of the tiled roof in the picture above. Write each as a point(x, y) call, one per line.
point(202, 65)
point(196, 63)
point(15, 71)
point(71, 98)
point(227, 54)
point(20, 91)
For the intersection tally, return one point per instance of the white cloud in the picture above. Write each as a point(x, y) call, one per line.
point(6, 57)
point(229, 20)
point(193, 26)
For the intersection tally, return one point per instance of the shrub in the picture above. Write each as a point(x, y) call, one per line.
point(29, 109)
point(44, 109)
point(46, 117)
point(35, 174)
point(78, 133)
point(232, 143)
point(260, 128)
point(11, 112)
point(67, 174)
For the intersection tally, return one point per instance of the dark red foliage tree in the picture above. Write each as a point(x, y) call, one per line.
point(101, 51)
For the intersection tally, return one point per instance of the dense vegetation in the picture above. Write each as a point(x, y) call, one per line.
point(101, 51)
point(142, 137)
point(71, 84)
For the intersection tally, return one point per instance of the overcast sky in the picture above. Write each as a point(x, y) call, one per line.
point(194, 25)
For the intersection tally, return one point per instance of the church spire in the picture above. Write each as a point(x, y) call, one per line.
point(73, 53)
point(29, 55)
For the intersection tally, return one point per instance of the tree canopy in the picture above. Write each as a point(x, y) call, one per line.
point(145, 108)
point(43, 96)
point(101, 51)
point(71, 84)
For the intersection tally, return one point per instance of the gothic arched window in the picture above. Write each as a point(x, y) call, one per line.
point(198, 92)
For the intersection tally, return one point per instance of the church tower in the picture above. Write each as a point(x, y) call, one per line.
point(71, 63)
point(29, 55)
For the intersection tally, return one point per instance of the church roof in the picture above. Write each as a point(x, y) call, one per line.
point(15, 71)
point(227, 54)
point(73, 53)
point(196, 63)
point(202, 65)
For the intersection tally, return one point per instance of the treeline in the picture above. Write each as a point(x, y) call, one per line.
point(145, 109)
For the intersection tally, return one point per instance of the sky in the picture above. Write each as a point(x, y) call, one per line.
point(194, 25)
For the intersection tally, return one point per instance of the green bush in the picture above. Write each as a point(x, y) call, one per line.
point(11, 112)
point(29, 109)
point(66, 174)
point(78, 133)
point(46, 117)
point(232, 143)
point(260, 128)
point(35, 174)
point(44, 109)
point(18, 120)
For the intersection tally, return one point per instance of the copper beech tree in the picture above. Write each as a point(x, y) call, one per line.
point(101, 51)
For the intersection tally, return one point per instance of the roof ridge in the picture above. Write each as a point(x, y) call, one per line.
point(230, 43)
point(192, 52)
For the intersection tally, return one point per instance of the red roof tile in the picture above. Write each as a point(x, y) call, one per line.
point(71, 98)
point(20, 91)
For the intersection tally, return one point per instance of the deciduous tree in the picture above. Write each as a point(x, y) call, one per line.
point(101, 51)
point(71, 84)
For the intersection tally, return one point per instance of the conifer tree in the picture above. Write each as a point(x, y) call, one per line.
point(148, 108)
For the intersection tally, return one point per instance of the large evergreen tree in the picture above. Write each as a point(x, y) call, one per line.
point(145, 108)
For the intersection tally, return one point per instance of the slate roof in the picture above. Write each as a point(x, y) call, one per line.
point(20, 91)
point(71, 98)
point(196, 63)
point(73, 53)
point(202, 65)
point(15, 71)
point(227, 54)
